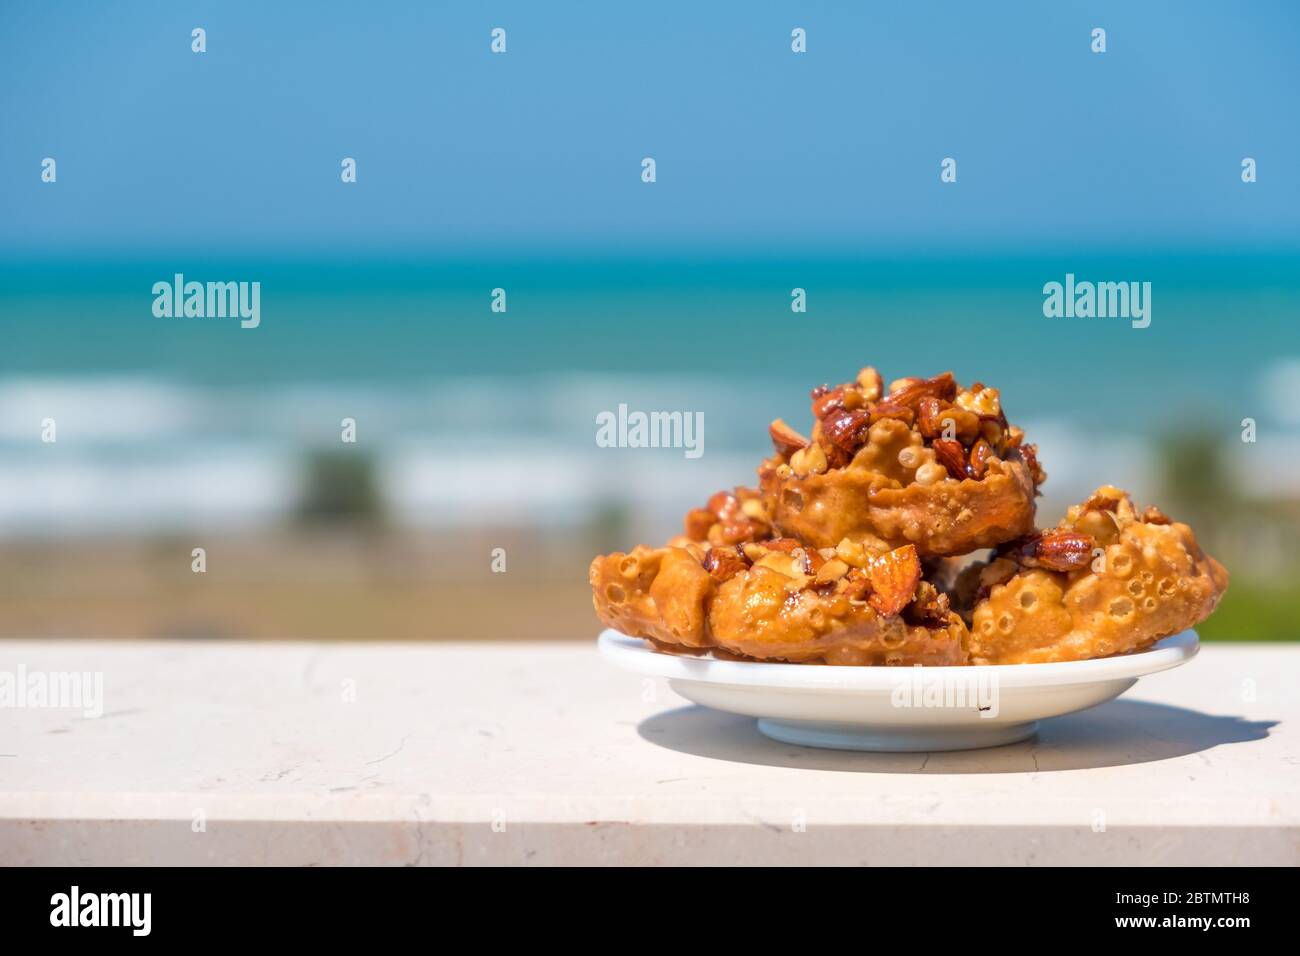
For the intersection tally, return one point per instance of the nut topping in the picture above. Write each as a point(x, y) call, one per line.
point(856, 585)
point(1058, 550)
point(785, 439)
point(725, 563)
point(934, 417)
point(871, 383)
point(1100, 502)
point(892, 409)
point(1030, 455)
point(809, 461)
point(827, 401)
point(832, 570)
point(737, 530)
point(942, 386)
point(930, 608)
point(985, 402)
point(966, 428)
point(951, 455)
point(846, 430)
point(729, 519)
point(724, 504)
point(1153, 515)
point(893, 579)
point(698, 522)
point(979, 459)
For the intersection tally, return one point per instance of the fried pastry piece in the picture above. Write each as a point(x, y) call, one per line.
point(662, 594)
point(926, 463)
point(658, 593)
point(776, 599)
point(1106, 581)
point(768, 614)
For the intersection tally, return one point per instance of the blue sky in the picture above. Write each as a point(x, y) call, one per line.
point(239, 148)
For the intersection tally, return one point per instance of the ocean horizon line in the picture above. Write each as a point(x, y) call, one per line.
point(657, 252)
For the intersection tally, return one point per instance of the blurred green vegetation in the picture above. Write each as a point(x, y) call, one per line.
point(608, 527)
point(340, 486)
point(1256, 540)
point(1195, 481)
point(1251, 611)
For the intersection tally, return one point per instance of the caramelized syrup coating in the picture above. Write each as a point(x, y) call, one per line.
point(927, 463)
point(779, 599)
point(1147, 578)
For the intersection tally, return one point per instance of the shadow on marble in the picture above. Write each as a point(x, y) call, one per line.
point(1116, 734)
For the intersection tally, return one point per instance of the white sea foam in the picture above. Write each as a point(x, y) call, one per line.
point(148, 455)
point(145, 455)
point(96, 409)
point(1078, 461)
point(197, 488)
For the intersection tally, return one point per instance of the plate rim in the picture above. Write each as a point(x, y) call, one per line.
point(633, 654)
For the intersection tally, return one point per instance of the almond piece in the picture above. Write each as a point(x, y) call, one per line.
point(785, 439)
point(979, 459)
point(846, 430)
point(725, 563)
point(827, 402)
point(928, 421)
point(936, 418)
point(1059, 550)
point(893, 580)
point(942, 386)
point(951, 455)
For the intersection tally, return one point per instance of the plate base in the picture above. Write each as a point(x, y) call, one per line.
point(894, 739)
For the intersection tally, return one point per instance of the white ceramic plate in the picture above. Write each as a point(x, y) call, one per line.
point(896, 708)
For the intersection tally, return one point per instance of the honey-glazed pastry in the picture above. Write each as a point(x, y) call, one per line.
point(926, 463)
point(775, 598)
point(796, 604)
point(656, 593)
point(661, 594)
point(1107, 580)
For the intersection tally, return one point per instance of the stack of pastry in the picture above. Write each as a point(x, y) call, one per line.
point(901, 531)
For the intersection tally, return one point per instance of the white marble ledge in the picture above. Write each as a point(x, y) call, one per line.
point(242, 753)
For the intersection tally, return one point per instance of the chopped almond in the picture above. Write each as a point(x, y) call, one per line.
point(893, 579)
point(785, 439)
point(1059, 550)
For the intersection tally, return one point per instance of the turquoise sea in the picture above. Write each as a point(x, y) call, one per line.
point(1217, 320)
point(410, 348)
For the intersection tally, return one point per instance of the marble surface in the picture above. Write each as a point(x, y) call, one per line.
point(301, 754)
